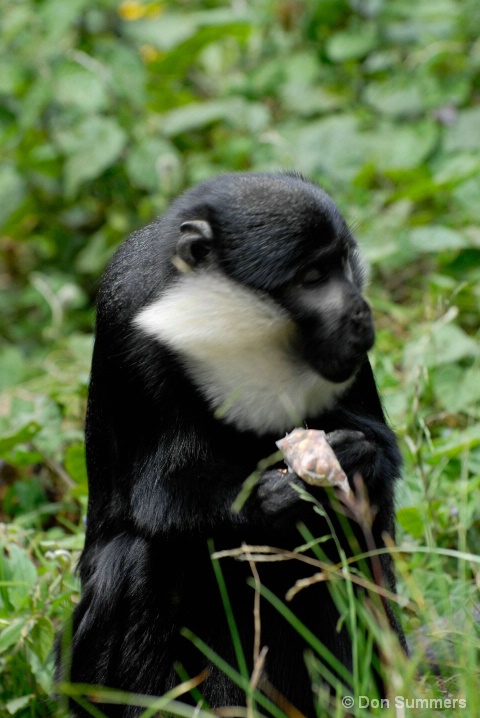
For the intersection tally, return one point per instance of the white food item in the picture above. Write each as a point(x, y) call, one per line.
point(309, 455)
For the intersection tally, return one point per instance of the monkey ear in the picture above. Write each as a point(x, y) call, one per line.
point(194, 245)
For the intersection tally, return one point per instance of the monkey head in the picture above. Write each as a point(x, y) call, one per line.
point(262, 301)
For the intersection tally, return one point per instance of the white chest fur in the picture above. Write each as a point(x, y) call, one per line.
point(236, 345)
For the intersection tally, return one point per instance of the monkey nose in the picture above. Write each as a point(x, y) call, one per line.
point(361, 316)
point(361, 323)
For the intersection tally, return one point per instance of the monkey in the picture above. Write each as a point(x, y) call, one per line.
point(232, 319)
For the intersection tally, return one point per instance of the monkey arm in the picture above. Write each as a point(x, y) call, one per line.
point(198, 500)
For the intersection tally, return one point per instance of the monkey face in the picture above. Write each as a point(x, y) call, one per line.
point(335, 338)
point(334, 322)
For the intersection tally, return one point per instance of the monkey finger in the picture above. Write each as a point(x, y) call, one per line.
point(344, 436)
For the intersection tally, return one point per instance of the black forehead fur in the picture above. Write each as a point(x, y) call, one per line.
point(265, 225)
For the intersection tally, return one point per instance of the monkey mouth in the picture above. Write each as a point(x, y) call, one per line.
point(339, 358)
point(338, 373)
point(338, 369)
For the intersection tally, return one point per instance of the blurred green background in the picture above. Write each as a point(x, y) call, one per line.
point(108, 110)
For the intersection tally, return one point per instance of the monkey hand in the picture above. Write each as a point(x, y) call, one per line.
point(277, 498)
point(351, 448)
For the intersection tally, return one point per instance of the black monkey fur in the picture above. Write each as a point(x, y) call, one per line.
point(231, 320)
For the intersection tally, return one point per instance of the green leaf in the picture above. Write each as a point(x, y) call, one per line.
point(464, 133)
point(34, 103)
point(238, 112)
point(440, 344)
point(23, 496)
point(16, 704)
point(456, 442)
point(92, 146)
point(337, 146)
point(352, 44)
point(165, 32)
point(14, 366)
point(10, 635)
point(79, 86)
point(410, 94)
point(21, 435)
point(11, 75)
point(150, 162)
point(436, 238)
point(395, 97)
point(41, 637)
point(411, 521)
point(21, 573)
point(128, 73)
point(450, 343)
point(93, 257)
point(393, 148)
point(457, 389)
point(75, 542)
point(75, 463)
point(466, 196)
point(42, 669)
point(297, 81)
point(45, 412)
point(331, 146)
point(12, 191)
point(453, 169)
point(57, 17)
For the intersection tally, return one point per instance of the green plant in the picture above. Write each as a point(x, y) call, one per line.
point(108, 111)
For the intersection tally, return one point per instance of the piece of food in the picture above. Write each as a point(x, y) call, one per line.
point(309, 455)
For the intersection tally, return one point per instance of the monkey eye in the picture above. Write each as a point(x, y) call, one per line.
point(313, 276)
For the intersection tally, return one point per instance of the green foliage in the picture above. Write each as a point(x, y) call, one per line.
point(36, 585)
point(108, 111)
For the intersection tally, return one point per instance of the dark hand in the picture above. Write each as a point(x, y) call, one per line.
point(352, 450)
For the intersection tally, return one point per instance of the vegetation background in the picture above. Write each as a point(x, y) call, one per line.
point(108, 110)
